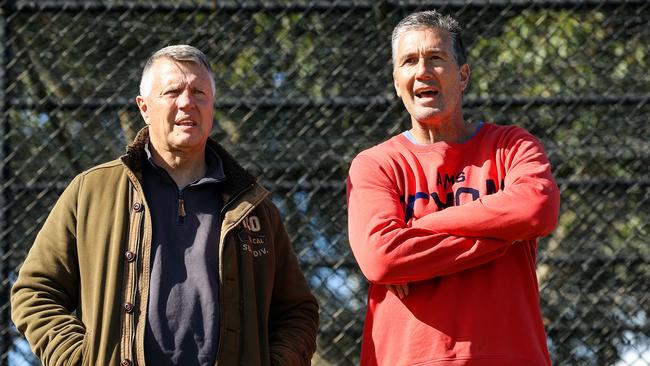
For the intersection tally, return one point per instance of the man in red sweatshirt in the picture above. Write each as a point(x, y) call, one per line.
point(443, 220)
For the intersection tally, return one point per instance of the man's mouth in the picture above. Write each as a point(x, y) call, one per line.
point(429, 93)
point(185, 122)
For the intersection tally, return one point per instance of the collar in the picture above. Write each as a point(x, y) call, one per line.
point(214, 166)
point(237, 178)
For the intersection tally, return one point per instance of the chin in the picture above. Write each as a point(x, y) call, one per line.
point(430, 118)
point(185, 144)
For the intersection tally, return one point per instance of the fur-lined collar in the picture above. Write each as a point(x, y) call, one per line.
point(237, 178)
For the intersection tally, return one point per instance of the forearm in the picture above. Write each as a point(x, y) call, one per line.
point(410, 254)
point(524, 211)
point(526, 206)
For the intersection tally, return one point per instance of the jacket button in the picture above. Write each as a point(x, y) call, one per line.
point(129, 255)
point(128, 307)
point(137, 207)
point(125, 362)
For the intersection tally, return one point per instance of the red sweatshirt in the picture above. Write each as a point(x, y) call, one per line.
point(458, 222)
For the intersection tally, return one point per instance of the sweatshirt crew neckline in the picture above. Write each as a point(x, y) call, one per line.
point(406, 138)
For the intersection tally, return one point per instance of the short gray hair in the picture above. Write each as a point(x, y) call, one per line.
point(436, 20)
point(178, 53)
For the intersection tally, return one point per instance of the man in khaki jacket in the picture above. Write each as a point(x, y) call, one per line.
point(171, 254)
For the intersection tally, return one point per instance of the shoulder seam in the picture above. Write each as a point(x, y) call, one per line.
point(107, 165)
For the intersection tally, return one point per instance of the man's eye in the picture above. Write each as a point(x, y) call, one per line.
point(409, 61)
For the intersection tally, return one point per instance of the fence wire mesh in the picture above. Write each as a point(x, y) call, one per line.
point(302, 86)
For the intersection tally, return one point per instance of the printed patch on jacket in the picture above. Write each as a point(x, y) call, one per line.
point(252, 242)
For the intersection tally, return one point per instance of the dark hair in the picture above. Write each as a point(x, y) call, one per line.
point(431, 19)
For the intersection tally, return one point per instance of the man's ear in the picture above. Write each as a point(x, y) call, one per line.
point(465, 73)
point(396, 85)
point(142, 106)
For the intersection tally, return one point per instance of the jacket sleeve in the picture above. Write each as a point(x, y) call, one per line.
point(293, 321)
point(526, 208)
point(390, 251)
point(45, 294)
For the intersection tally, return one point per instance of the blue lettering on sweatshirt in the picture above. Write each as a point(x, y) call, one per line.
point(452, 198)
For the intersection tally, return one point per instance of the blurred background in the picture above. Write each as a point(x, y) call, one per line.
point(303, 86)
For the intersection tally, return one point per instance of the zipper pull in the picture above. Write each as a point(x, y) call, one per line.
point(181, 209)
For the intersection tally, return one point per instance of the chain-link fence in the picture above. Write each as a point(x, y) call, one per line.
point(302, 86)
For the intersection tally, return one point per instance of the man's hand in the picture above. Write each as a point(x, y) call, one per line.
point(400, 290)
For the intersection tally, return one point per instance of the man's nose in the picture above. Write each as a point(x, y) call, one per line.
point(185, 99)
point(423, 69)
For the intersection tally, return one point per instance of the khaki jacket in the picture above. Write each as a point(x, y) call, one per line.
point(81, 295)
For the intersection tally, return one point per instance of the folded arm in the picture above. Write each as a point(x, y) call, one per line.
point(526, 208)
point(387, 249)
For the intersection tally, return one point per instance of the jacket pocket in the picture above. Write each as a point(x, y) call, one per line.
point(85, 357)
point(78, 357)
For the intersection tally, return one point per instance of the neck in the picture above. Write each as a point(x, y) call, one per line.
point(450, 130)
point(183, 167)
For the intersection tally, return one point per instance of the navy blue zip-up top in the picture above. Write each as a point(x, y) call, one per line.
point(183, 311)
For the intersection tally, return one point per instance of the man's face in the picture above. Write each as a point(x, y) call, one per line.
point(427, 77)
point(179, 107)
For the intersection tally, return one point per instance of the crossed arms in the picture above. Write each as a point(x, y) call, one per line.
point(391, 251)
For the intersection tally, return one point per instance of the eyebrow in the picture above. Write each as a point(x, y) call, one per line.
point(428, 51)
point(169, 88)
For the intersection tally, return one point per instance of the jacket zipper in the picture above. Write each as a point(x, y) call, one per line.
point(181, 208)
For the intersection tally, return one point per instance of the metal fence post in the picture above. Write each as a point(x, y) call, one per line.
point(5, 196)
